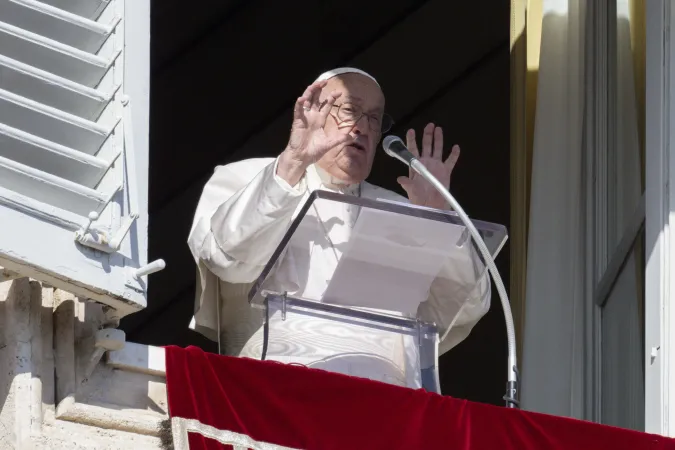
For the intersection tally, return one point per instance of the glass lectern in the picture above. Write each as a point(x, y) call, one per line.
point(373, 293)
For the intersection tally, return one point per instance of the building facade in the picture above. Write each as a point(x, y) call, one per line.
point(592, 178)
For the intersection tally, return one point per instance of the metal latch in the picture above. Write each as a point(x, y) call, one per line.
point(99, 239)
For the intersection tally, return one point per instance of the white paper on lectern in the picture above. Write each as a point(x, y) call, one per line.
point(391, 260)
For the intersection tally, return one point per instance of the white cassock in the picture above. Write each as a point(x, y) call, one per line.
point(242, 216)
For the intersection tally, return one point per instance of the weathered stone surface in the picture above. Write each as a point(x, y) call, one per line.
point(58, 387)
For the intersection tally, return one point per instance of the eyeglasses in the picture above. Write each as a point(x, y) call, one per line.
point(350, 114)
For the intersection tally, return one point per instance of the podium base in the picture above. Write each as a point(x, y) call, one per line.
point(382, 347)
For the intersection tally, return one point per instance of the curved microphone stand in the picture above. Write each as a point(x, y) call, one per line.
point(511, 396)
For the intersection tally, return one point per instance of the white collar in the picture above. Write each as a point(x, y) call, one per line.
point(324, 179)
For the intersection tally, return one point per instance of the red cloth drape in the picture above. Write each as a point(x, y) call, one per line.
point(301, 408)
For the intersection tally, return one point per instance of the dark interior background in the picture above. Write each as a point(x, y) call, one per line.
point(224, 78)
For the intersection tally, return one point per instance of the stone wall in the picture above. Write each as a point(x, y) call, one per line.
point(68, 380)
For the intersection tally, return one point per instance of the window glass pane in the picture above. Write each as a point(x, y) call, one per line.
point(624, 178)
point(622, 367)
point(621, 360)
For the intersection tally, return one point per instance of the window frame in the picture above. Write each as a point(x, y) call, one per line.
point(659, 208)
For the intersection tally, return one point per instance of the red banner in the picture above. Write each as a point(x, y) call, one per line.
point(222, 402)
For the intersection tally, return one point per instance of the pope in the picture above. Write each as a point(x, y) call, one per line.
point(246, 208)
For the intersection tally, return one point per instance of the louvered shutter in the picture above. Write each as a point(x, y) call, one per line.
point(74, 106)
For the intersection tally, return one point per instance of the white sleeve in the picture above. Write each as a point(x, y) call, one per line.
point(456, 301)
point(239, 224)
point(457, 304)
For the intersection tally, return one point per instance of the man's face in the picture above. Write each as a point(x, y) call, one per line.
point(362, 97)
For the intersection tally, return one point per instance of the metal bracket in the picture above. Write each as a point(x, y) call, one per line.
point(284, 299)
point(654, 354)
point(99, 239)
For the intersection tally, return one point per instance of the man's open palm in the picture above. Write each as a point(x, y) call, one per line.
point(420, 192)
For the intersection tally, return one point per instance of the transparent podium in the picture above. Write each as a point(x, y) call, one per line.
point(369, 288)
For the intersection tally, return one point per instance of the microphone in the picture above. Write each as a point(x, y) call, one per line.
point(394, 147)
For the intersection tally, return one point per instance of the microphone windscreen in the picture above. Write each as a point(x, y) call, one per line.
point(389, 140)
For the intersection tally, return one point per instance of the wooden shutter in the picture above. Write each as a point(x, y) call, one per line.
point(74, 107)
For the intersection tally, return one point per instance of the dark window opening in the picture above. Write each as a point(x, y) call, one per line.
point(224, 78)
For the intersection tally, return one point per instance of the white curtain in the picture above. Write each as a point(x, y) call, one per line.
point(553, 337)
point(564, 228)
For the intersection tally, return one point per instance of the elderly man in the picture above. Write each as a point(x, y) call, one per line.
point(247, 206)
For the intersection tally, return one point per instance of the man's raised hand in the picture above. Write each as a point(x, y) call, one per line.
point(308, 141)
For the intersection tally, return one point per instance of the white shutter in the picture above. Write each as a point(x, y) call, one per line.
point(74, 107)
